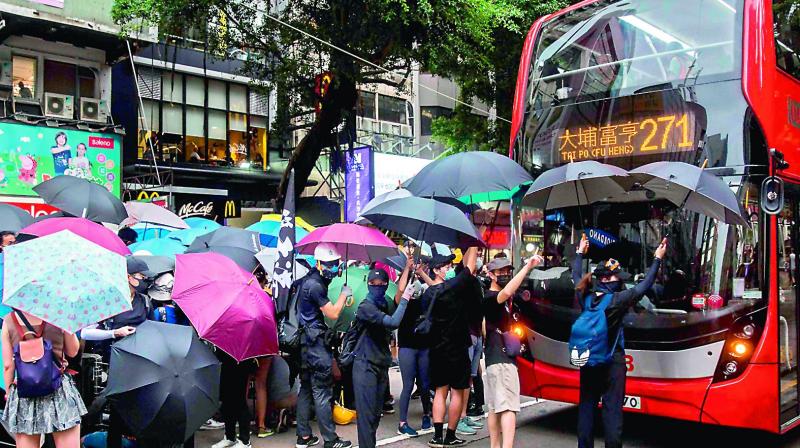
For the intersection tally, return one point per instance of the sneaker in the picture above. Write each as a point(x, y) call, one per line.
point(264, 433)
point(240, 444)
point(475, 411)
point(305, 443)
point(455, 441)
point(388, 408)
point(426, 422)
point(404, 429)
point(224, 443)
point(436, 442)
point(390, 401)
point(338, 443)
point(212, 424)
point(475, 423)
point(464, 429)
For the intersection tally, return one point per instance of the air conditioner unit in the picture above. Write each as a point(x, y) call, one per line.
point(386, 128)
point(94, 109)
point(58, 106)
point(406, 131)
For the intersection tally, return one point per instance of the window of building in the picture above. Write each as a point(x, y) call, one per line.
point(195, 91)
point(172, 131)
point(148, 129)
point(87, 83)
point(195, 135)
point(216, 95)
point(258, 142)
point(217, 137)
point(366, 105)
point(430, 113)
point(172, 87)
point(392, 109)
point(237, 100)
point(786, 16)
point(60, 77)
point(23, 74)
point(237, 138)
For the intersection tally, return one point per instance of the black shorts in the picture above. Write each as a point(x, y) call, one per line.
point(450, 367)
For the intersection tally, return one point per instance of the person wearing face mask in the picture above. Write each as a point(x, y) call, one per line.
point(607, 381)
point(501, 379)
point(316, 358)
point(372, 355)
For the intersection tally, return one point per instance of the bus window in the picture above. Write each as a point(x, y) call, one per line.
point(787, 300)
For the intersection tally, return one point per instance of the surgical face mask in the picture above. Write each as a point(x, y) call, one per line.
point(503, 279)
point(451, 273)
point(377, 291)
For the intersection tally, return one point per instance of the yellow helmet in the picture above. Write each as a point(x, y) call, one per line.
point(459, 256)
point(342, 415)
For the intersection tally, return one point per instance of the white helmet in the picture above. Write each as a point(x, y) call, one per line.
point(326, 252)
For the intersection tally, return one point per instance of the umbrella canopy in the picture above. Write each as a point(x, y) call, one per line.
point(13, 219)
point(356, 279)
point(82, 227)
point(166, 247)
point(147, 212)
point(693, 188)
point(268, 231)
point(354, 242)
point(3, 309)
point(575, 184)
point(466, 174)
point(164, 381)
point(195, 222)
point(398, 193)
point(226, 305)
point(267, 258)
point(82, 198)
point(239, 245)
point(187, 236)
point(150, 231)
point(65, 280)
point(300, 222)
point(158, 264)
point(426, 220)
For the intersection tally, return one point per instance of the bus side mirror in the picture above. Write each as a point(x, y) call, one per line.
point(772, 195)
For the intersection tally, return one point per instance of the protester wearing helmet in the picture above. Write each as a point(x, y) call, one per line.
point(316, 358)
point(607, 381)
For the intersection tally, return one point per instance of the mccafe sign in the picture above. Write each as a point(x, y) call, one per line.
point(216, 208)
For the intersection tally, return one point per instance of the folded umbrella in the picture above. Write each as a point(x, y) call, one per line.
point(356, 279)
point(239, 245)
point(692, 188)
point(426, 220)
point(268, 231)
point(65, 280)
point(82, 198)
point(13, 219)
point(226, 305)
point(149, 213)
point(354, 242)
point(83, 227)
point(575, 184)
point(164, 382)
point(166, 247)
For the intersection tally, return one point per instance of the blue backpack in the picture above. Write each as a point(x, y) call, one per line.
point(588, 340)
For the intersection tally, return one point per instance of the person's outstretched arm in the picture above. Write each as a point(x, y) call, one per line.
point(630, 296)
point(511, 288)
point(577, 264)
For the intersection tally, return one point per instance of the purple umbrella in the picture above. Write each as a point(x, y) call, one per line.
point(353, 241)
point(82, 227)
point(226, 305)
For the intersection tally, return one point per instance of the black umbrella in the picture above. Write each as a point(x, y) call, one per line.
point(158, 264)
point(164, 381)
point(483, 174)
point(82, 198)
point(692, 188)
point(425, 220)
point(13, 218)
point(239, 245)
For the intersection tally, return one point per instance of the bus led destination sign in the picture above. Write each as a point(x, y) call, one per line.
point(650, 135)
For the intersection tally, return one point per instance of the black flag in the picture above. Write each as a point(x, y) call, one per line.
point(283, 275)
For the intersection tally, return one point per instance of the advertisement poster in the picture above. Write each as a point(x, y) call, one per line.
point(215, 208)
point(392, 170)
point(30, 155)
point(358, 181)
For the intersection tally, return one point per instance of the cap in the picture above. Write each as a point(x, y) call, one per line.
point(498, 263)
point(610, 267)
point(326, 252)
point(441, 260)
point(137, 265)
point(161, 289)
point(378, 274)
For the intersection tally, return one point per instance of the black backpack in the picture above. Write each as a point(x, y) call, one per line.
point(350, 341)
point(289, 329)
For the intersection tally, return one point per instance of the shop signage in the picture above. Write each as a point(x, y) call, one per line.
point(216, 208)
point(600, 238)
point(30, 155)
point(35, 209)
point(392, 170)
point(358, 180)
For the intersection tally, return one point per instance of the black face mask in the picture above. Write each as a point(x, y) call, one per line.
point(144, 285)
point(503, 280)
point(607, 287)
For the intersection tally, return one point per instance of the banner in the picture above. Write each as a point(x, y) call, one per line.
point(30, 155)
point(216, 208)
point(358, 180)
point(283, 271)
point(391, 170)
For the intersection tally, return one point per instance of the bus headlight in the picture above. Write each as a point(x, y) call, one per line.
point(739, 349)
point(742, 338)
point(731, 368)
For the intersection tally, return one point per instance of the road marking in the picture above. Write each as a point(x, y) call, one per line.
point(400, 437)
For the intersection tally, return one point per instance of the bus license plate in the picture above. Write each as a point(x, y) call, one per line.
point(632, 402)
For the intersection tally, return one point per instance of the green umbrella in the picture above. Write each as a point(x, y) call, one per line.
point(357, 280)
point(491, 196)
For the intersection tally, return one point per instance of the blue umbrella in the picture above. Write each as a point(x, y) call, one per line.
point(202, 223)
point(147, 231)
point(187, 236)
point(159, 246)
point(268, 231)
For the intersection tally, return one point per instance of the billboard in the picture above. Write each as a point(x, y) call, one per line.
point(391, 170)
point(358, 181)
point(30, 155)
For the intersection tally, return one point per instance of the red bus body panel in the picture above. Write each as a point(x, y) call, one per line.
point(749, 401)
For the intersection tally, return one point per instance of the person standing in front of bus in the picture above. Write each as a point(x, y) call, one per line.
point(607, 381)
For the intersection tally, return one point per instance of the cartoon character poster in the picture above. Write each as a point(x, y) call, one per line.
point(30, 155)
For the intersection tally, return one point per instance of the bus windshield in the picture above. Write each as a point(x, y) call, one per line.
point(619, 48)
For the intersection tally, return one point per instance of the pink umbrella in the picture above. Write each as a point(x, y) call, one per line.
point(226, 305)
point(354, 242)
point(82, 227)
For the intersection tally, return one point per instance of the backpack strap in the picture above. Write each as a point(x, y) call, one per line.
point(21, 332)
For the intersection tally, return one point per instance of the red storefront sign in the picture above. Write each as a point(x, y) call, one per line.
point(101, 142)
point(36, 210)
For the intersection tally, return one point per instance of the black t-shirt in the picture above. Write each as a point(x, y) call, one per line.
point(406, 338)
point(497, 318)
point(313, 295)
point(458, 299)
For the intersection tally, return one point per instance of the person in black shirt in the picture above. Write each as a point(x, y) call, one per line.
point(607, 381)
point(501, 380)
point(449, 361)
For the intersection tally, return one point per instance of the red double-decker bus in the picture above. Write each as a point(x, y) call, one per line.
point(714, 83)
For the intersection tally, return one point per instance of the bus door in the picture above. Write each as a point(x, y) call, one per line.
point(788, 243)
